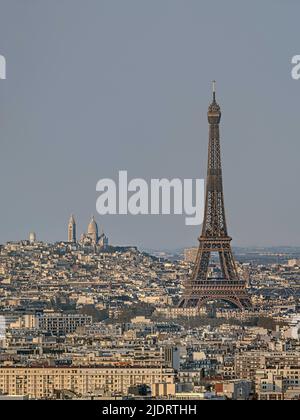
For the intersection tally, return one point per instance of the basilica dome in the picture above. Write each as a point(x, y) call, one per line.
point(93, 227)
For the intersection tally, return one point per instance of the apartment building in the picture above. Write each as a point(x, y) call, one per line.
point(44, 383)
point(278, 383)
point(61, 324)
point(247, 363)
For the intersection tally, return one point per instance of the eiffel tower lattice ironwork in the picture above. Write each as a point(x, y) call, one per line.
point(200, 287)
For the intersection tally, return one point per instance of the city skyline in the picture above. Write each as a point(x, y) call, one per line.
point(149, 177)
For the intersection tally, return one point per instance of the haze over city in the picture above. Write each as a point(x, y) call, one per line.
point(97, 87)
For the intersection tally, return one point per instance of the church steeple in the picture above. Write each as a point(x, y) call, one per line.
point(72, 229)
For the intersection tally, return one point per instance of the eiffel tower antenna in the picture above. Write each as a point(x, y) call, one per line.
point(214, 90)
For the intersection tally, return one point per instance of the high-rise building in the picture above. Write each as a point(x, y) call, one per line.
point(72, 230)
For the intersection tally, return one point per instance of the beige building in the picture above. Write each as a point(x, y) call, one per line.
point(190, 254)
point(175, 312)
point(294, 263)
point(279, 383)
point(163, 390)
point(46, 382)
point(246, 364)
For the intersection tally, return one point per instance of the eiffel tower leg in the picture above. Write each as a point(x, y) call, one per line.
point(224, 266)
point(202, 264)
point(230, 264)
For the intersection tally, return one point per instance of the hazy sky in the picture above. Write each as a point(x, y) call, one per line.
point(97, 86)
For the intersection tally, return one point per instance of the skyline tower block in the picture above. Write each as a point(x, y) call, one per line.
point(225, 285)
point(72, 230)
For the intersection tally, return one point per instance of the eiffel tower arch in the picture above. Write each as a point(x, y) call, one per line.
point(214, 239)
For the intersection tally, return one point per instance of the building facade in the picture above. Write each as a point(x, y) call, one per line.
point(44, 383)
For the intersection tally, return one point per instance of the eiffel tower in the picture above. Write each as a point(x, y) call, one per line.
point(226, 286)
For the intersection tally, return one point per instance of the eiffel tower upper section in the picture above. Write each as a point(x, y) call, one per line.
point(214, 225)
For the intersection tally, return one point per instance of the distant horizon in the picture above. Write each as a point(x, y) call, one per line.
point(150, 249)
